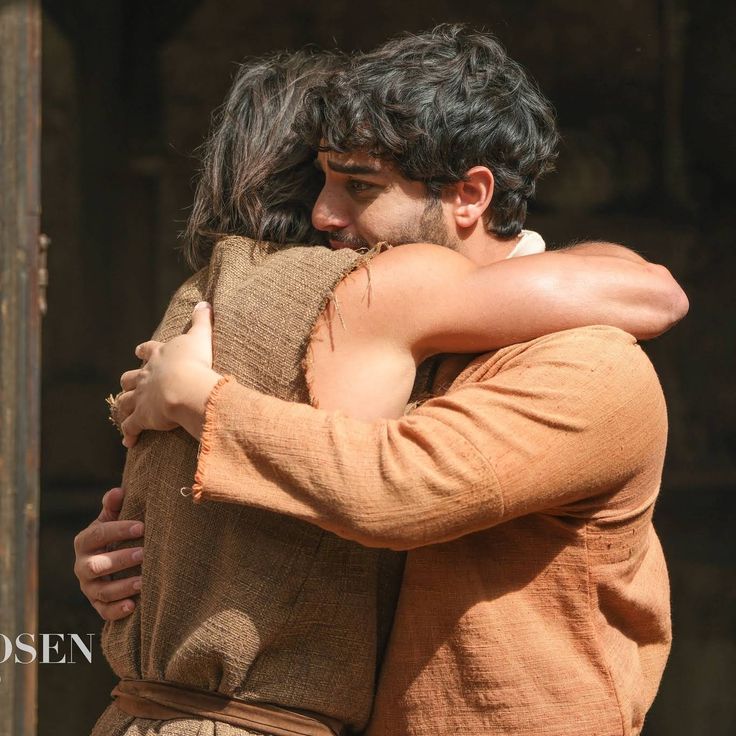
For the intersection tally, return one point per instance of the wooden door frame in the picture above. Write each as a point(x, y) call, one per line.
point(20, 351)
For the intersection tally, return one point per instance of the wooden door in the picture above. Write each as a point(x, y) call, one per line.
point(20, 325)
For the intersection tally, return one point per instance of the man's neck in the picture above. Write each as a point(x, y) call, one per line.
point(483, 248)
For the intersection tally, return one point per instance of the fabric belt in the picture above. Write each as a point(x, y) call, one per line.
point(161, 700)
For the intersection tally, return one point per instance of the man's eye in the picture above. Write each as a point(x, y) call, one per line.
point(359, 186)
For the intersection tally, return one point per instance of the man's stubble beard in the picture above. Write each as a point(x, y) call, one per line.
point(430, 228)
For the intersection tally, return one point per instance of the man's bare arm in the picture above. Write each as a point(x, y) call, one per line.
point(432, 295)
point(419, 300)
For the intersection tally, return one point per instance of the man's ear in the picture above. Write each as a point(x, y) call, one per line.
point(472, 197)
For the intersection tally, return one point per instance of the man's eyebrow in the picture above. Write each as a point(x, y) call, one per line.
point(354, 168)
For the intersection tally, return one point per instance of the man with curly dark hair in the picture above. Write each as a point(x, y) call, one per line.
point(435, 106)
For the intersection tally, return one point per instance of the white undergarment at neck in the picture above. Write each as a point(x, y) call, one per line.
point(529, 244)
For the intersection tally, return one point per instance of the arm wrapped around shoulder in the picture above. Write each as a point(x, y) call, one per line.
point(529, 428)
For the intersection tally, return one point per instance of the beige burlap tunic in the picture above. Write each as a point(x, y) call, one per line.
point(237, 600)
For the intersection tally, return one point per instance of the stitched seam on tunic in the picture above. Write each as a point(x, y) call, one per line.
point(591, 621)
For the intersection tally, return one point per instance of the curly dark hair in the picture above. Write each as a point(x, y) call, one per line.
point(257, 177)
point(436, 104)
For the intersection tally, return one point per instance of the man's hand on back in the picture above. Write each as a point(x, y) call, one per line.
point(112, 599)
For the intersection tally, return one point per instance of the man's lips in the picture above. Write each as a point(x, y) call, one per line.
point(339, 244)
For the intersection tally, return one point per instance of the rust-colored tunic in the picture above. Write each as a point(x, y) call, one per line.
point(535, 599)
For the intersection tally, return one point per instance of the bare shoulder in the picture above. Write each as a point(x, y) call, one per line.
point(407, 267)
point(426, 255)
point(392, 294)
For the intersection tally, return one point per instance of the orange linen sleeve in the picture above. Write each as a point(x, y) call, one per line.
point(530, 428)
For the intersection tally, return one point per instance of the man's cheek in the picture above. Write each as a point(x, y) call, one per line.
point(377, 227)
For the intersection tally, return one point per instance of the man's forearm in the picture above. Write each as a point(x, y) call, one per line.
point(661, 303)
point(546, 425)
point(602, 248)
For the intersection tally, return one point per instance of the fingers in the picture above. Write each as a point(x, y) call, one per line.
point(114, 611)
point(130, 429)
point(108, 597)
point(88, 568)
point(93, 563)
point(129, 379)
point(112, 502)
point(112, 591)
point(99, 534)
point(201, 319)
point(146, 349)
point(124, 406)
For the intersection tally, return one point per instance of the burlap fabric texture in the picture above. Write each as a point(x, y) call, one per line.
point(235, 600)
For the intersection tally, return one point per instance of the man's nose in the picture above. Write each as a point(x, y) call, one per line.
point(327, 214)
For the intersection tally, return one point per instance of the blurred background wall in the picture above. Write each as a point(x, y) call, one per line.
point(645, 98)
